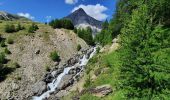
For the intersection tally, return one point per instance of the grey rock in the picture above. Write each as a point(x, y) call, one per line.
point(66, 81)
point(56, 63)
point(57, 72)
point(72, 61)
point(89, 53)
point(102, 90)
point(37, 52)
point(48, 78)
point(39, 88)
point(72, 71)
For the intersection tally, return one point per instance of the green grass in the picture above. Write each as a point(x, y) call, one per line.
point(111, 63)
point(89, 97)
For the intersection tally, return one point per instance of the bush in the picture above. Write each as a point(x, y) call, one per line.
point(19, 27)
point(47, 68)
point(98, 71)
point(7, 51)
point(78, 47)
point(33, 28)
point(3, 43)
point(75, 30)
point(10, 41)
point(87, 82)
point(18, 77)
point(2, 58)
point(54, 56)
point(10, 28)
point(98, 50)
point(16, 65)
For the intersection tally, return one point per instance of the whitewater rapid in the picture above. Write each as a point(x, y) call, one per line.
point(54, 84)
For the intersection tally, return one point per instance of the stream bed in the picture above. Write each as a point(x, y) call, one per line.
point(68, 75)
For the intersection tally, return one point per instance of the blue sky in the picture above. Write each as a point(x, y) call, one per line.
point(40, 10)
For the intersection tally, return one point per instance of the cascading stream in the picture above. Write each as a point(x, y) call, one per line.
point(54, 84)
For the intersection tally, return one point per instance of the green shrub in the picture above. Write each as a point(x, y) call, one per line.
point(2, 58)
point(7, 51)
point(18, 77)
point(3, 43)
point(78, 47)
point(33, 28)
point(87, 82)
point(47, 68)
point(16, 65)
point(54, 56)
point(98, 50)
point(98, 71)
point(75, 30)
point(19, 27)
point(10, 28)
point(10, 41)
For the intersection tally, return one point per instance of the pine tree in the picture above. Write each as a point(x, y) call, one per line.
point(145, 55)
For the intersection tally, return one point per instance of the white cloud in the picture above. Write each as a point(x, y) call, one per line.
point(95, 11)
point(27, 15)
point(71, 1)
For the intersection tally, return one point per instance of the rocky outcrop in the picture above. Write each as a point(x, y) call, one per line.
point(99, 91)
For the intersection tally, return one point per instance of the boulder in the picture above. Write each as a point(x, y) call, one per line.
point(65, 65)
point(81, 57)
point(89, 53)
point(39, 88)
point(65, 82)
point(57, 72)
point(72, 61)
point(72, 71)
point(101, 91)
point(37, 52)
point(115, 40)
point(56, 63)
point(78, 69)
point(48, 78)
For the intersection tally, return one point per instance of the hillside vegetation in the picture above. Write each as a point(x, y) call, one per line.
point(28, 50)
point(139, 68)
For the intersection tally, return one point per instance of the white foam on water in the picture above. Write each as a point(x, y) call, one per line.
point(54, 84)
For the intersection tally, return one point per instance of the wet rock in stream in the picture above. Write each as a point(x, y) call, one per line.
point(39, 88)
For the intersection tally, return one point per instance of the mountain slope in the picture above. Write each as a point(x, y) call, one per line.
point(81, 20)
point(8, 16)
point(33, 65)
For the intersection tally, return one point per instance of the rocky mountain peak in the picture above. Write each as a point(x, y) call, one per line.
point(80, 11)
point(81, 19)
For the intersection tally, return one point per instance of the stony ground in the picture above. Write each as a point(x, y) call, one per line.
point(24, 51)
